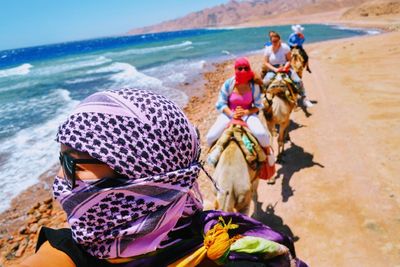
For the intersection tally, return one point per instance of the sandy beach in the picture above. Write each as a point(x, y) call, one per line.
point(337, 194)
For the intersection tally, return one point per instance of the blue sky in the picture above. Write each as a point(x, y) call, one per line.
point(34, 22)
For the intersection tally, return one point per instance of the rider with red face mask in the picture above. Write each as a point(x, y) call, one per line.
point(240, 99)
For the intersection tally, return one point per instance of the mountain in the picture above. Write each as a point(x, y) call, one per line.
point(374, 8)
point(235, 13)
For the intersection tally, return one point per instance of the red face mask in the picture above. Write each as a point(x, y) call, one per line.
point(243, 72)
point(243, 75)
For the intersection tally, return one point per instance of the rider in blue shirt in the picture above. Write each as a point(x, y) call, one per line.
point(296, 40)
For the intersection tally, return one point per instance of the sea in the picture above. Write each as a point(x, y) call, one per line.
point(40, 85)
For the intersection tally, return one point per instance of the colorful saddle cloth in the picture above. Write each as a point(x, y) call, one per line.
point(249, 145)
point(221, 238)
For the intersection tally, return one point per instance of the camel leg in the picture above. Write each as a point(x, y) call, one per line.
point(271, 128)
point(300, 74)
point(243, 203)
point(216, 204)
point(281, 140)
point(279, 158)
point(307, 67)
point(225, 201)
point(254, 196)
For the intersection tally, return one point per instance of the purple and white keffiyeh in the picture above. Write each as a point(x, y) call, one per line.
point(148, 139)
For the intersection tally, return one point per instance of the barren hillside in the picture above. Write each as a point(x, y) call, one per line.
point(242, 12)
point(374, 8)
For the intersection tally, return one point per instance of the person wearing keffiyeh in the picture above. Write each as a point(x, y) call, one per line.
point(128, 184)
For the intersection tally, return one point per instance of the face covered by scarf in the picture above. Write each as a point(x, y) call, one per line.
point(243, 72)
point(148, 140)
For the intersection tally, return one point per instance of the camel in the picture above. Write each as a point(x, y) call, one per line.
point(297, 62)
point(278, 112)
point(238, 182)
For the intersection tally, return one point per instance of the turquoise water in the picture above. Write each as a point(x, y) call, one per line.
point(40, 85)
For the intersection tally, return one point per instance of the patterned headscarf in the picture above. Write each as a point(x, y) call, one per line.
point(149, 141)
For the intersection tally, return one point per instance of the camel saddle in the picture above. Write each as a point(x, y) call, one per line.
point(290, 94)
point(252, 151)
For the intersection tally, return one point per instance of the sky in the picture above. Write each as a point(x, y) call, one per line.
point(25, 23)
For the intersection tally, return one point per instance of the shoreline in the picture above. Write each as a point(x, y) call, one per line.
point(15, 217)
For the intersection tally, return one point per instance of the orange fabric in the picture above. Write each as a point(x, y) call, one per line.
point(191, 260)
point(216, 244)
point(48, 256)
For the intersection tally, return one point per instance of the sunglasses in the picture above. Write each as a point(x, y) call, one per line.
point(68, 164)
point(243, 68)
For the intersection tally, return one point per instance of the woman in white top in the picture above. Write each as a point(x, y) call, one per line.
point(277, 59)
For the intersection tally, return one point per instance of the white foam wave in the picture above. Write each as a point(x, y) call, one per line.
point(54, 69)
point(30, 153)
point(367, 31)
point(81, 80)
point(187, 48)
point(20, 70)
point(126, 75)
point(65, 95)
point(40, 103)
point(141, 51)
point(177, 71)
point(373, 32)
point(18, 86)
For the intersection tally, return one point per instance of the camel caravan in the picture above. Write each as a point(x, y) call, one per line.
point(240, 142)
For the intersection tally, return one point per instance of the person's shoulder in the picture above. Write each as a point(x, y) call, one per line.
point(268, 49)
point(285, 47)
point(228, 83)
point(230, 80)
point(47, 255)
